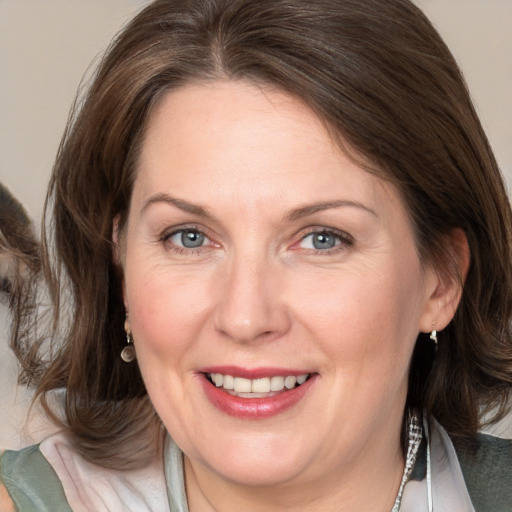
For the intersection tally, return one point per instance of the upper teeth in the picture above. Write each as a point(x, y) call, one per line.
point(263, 385)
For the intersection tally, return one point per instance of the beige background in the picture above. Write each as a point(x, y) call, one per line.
point(47, 45)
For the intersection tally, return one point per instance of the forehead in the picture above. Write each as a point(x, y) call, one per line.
point(234, 115)
point(220, 142)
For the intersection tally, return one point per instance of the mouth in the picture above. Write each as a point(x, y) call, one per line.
point(256, 388)
point(268, 394)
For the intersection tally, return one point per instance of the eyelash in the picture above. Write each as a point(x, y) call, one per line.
point(165, 239)
point(344, 240)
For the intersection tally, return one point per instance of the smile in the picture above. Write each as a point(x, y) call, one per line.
point(255, 388)
point(259, 394)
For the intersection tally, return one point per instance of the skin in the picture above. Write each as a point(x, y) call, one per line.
point(6, 504)
point(258, 294)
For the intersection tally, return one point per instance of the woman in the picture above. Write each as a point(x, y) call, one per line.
point(287, 247)
point(19, 266)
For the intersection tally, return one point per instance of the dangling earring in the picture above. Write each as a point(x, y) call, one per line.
point(128, 352)
point(433, 335)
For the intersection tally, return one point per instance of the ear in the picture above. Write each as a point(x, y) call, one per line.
point(117, 252)
point(444, 286)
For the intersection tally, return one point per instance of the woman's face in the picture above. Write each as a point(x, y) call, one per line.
point(256, 255)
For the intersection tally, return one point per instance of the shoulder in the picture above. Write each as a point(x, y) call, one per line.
point(6, 503)
point(29, 483)
point(486, 464)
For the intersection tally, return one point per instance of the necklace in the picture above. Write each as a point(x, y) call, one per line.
point(414, 437)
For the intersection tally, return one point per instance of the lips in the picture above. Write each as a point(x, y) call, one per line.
point(255, 394)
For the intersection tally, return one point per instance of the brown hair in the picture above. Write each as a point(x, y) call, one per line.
point(380, 76)
point(18, 242)
point(20, 265)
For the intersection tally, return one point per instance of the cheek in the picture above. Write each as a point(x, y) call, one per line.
point(165, 309)
point(363, 315)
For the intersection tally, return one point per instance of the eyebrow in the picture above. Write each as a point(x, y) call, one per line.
point(307, 210)
point(181, 204)
point(295, 214)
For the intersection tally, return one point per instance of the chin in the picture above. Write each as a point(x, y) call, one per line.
point(258, 474)
point(258, 461)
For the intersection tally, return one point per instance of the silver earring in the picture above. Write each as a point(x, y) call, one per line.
point(128, 352)
point(433, 335)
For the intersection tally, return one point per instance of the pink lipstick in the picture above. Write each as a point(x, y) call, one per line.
point(255, 393)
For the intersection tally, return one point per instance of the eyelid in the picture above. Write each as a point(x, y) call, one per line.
point(346, 240)
point(168, 233)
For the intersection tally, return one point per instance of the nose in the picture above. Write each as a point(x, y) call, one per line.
point(250, 303)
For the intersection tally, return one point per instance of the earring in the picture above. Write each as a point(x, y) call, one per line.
point(433, 335)
point(128, 352)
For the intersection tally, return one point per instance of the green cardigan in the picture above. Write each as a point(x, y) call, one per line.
point(487, 468)
point(31, 482)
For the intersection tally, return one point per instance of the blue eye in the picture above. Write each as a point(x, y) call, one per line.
point(322, 241)
point(188, 238)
